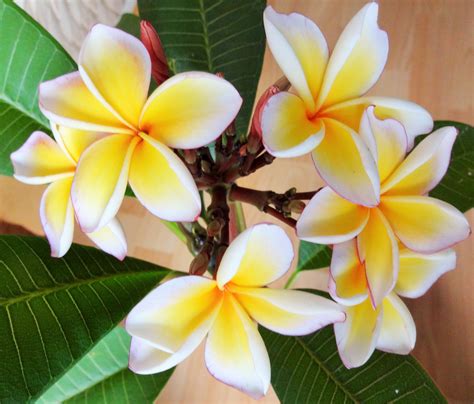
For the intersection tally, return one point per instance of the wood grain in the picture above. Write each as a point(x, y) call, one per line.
point(431, 63)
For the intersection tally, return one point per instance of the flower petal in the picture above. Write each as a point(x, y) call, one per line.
point(386, 139)
point(74, 141)
point(116, 68)
point(357, 60)
point(288, 312)
point(347, 281)
point(286, 129)
point(178, 310)
point(162, 183)
point(356, 337)
point(57, 216)
point(235, 353)
point(415, 119)
point(101, 179)
point(418, 272)
point(300, 50)
point(345, 163)
point(330, 219)
point(398, 331)
point(190, 110)
point(424, 167)
point(425, 224)
point(40, 160)
point(67, 101)
point(111, 239)
point(378, 250)
point(258, 256)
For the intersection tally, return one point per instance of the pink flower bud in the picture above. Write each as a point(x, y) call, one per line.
point(256, 127)
point(151, 40)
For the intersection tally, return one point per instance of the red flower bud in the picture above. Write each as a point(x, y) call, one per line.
point(151, 40)
point(256, 127)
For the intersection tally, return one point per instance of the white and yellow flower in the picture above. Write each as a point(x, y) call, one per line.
point(169, 323)
point(389, 327)
point(324, 113)
point(109, 95)
point(42, 161)
point(405, 213)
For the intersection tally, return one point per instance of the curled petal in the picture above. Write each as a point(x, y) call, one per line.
point(67, 101)
point(57, 216)
point(378, 250)
point(288, 312)
point(258, 256)
point(190, 110)
point(101, 179)
point(398, 331)
point(40, 160)
point(116, 68)
point(357, 336)
point(330, 219)
point(111, 239)
point(286, 129)
point(346, 164)
point(235, 353)
point(425, 224)
point(424, 167)
point(179, 310)
point(347, 280)
point(300, 50)
point(357, 60)
point(162, 183)
point(418, 272)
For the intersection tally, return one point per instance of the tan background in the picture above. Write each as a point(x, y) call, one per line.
point(431, 63)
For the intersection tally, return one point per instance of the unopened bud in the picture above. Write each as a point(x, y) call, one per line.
point(190, 156)
point(214, 228)
point(296, 206)
point(152, 42)
point(256, 127)
point(220, 74)
point(206, 167)
point(199, 264)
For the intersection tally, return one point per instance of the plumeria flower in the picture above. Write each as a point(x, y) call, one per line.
point(43, 161)
point(389, 327)
point(323, 114)
point(169, 323)
point(405, 212)
point(109, 95)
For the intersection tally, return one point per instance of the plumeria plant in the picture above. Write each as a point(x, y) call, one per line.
point(172, 123)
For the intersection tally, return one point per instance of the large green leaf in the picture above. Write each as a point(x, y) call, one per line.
point(457, 186)
point(53, 311)
point(28, 56)
point(103, 375)
point(308, 370)
point(213, 36)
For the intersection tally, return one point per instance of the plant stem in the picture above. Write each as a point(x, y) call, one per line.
point(291, 280)
point(280, 216)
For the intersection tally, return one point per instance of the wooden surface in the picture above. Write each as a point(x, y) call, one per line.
point(430, 62)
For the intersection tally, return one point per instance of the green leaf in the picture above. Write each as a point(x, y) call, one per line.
point(103, 375)
point(308, 370)
point(28, 56)
point(213, 36)
point(457, 186)
point(53, 311)
point(130, 23)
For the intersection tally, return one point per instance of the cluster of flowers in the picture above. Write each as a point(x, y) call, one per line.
point(389, 238)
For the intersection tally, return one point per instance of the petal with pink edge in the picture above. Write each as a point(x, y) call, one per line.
point(111, 239)
point(398, 331)
point(101, 179)
point(258, 256)
point(286, 129)
point(190, 110)
point(357, 60)
point(424, 167)
point(57, 216)
point(418, 272)
point(300, 50)
point(330, 219)
point(116, 68)
point(162, 183)
point(425, 224)
point(235, 353)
